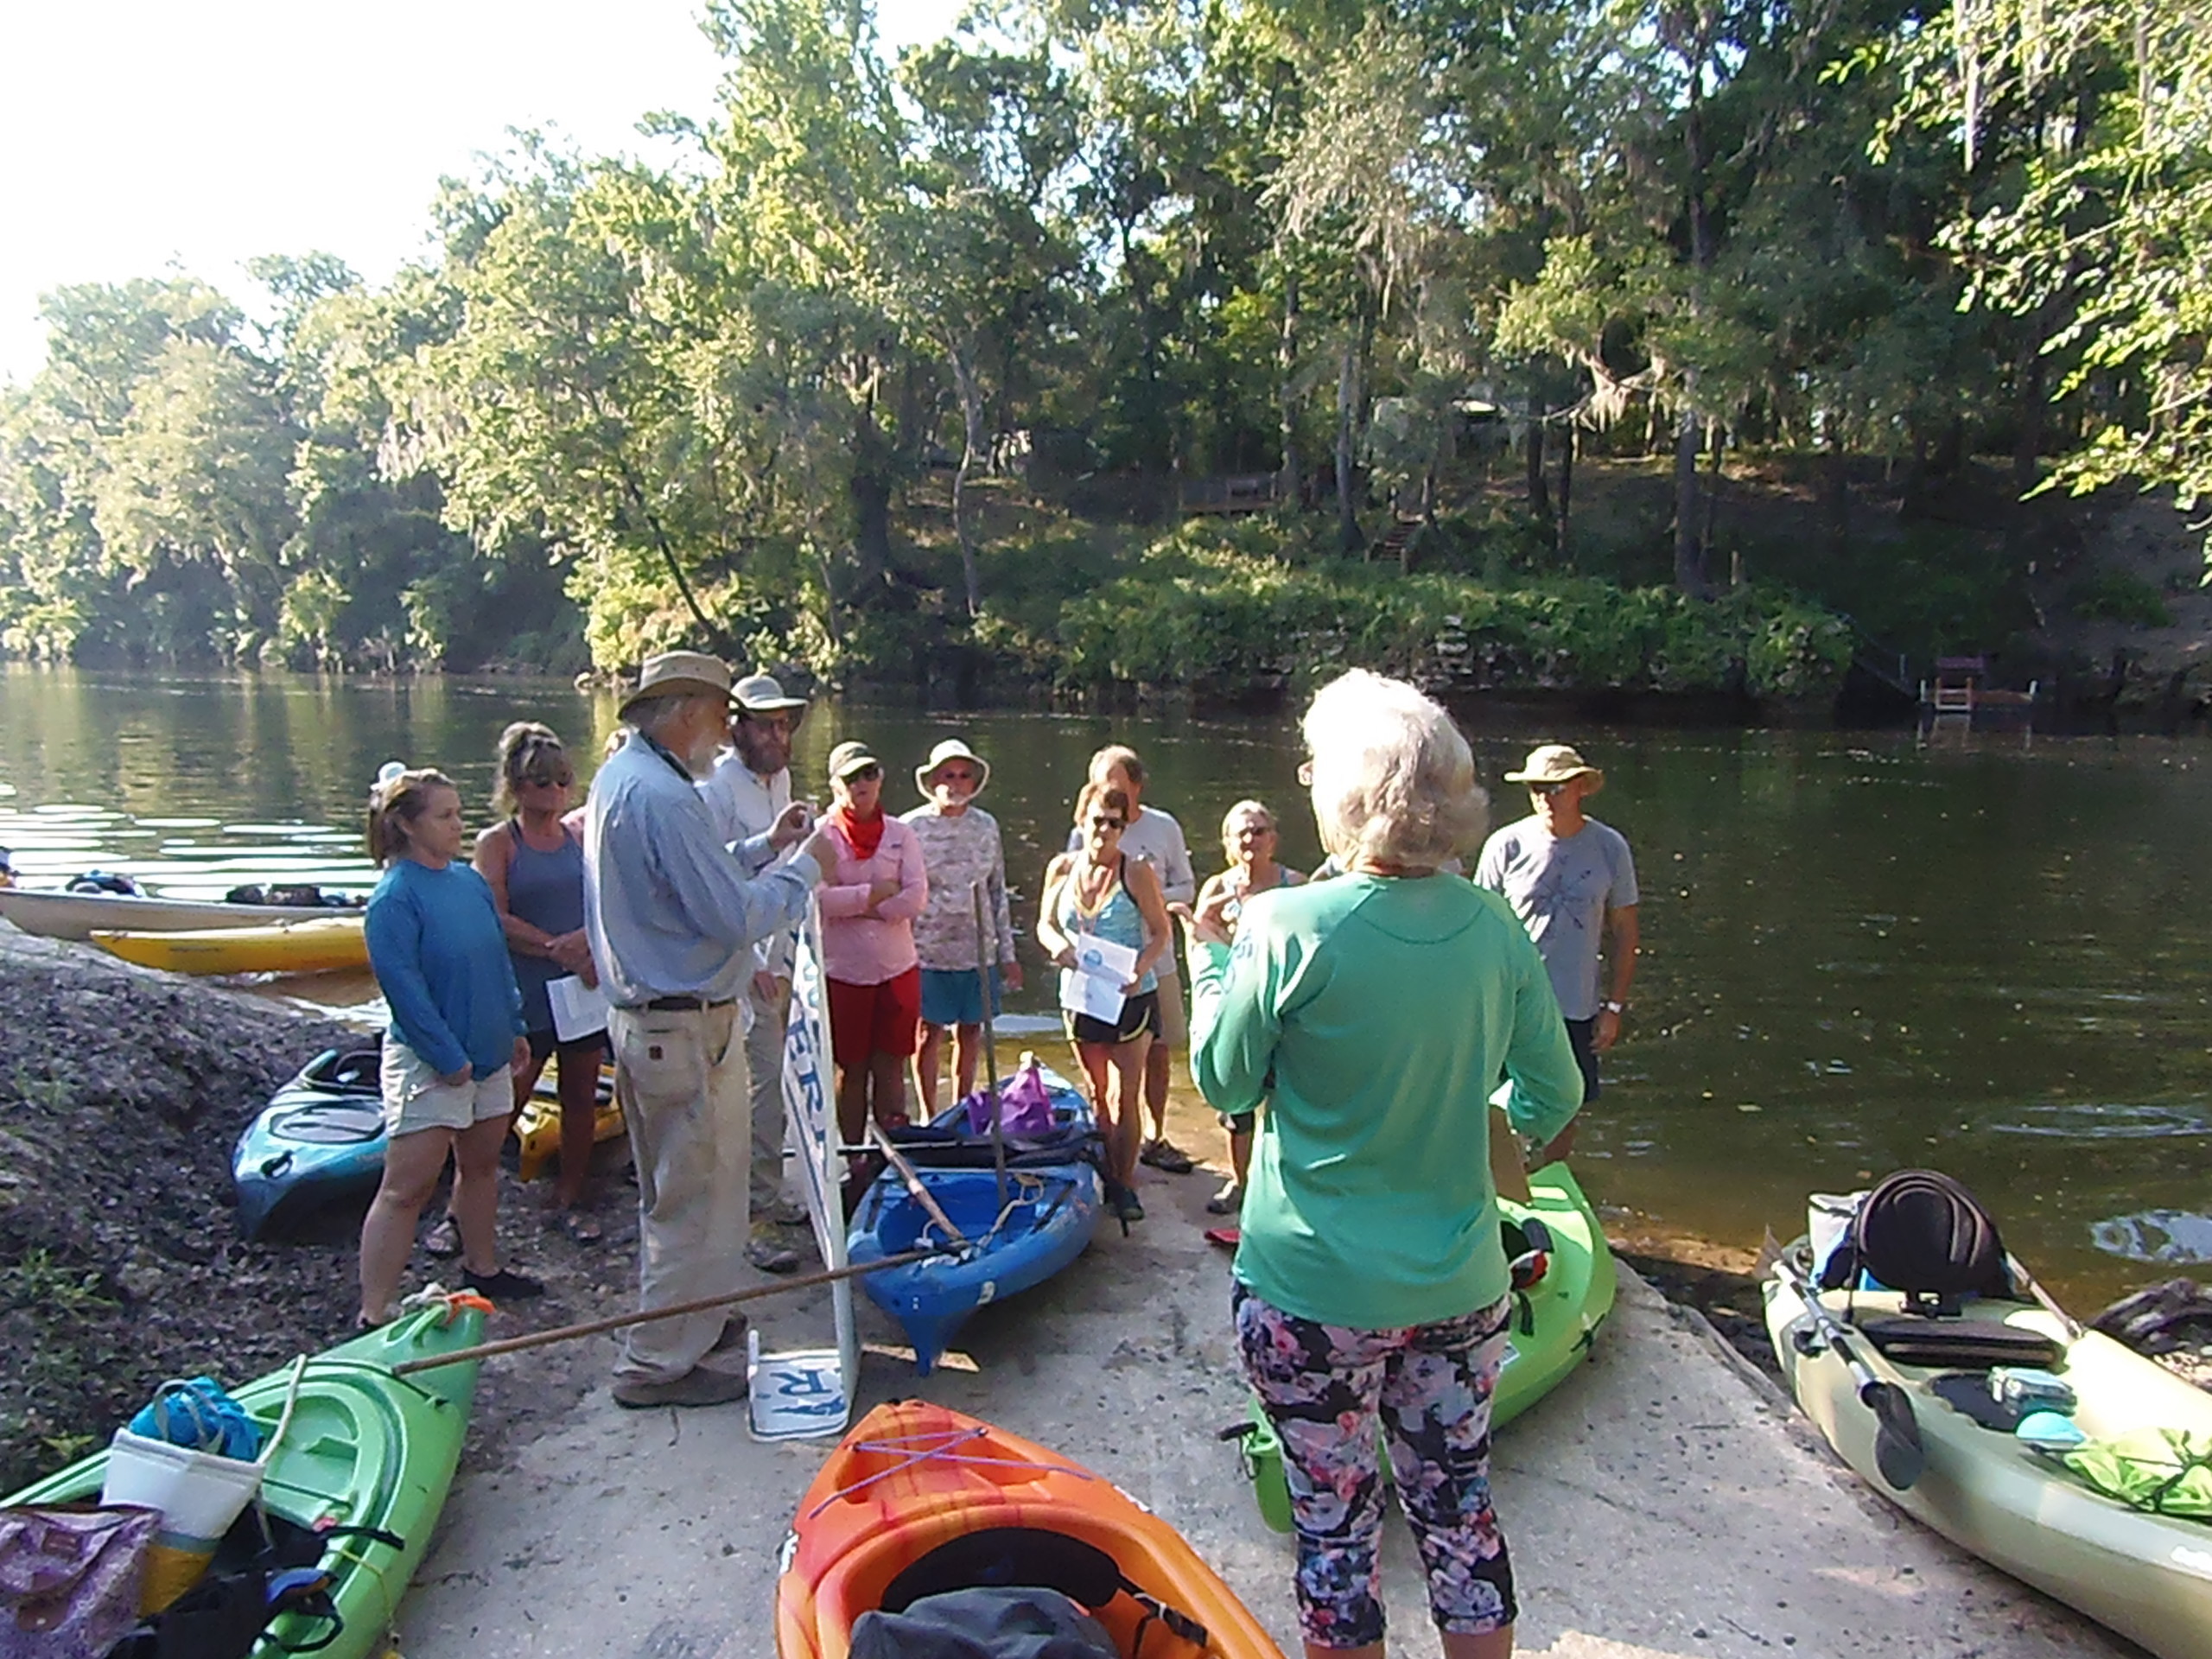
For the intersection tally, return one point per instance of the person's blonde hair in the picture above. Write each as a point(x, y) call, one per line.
point(1259, 809)
point(529, 752)
point(1392, 777)
point(395, 804)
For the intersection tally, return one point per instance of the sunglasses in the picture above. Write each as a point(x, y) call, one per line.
point(1546, 789)
point(866, 774)
point(1108, 824)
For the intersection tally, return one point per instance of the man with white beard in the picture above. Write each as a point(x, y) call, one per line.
point(673, 918)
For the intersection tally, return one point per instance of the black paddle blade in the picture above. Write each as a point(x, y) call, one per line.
point(1898, 1452)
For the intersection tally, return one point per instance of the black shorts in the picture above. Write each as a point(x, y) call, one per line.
point(1140, 1014)
point(1581, 1034)
point(546, 1042)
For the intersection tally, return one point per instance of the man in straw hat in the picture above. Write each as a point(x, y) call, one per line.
point(749, 789)
point(673, 918)
point(1572, 880)
point(963, 851)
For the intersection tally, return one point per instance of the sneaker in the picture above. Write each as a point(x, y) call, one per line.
point(1164, 1155)
point(732, 1339)
point(1227, 1201)
point(785, 1213)
point(505, 1286)
point(696, 1386)
point(769, 1253)
point(1127, 1207)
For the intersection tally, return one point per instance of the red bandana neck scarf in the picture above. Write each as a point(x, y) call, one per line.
point(866, 835)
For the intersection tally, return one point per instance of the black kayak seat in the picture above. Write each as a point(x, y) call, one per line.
point(1035, 1558)
point(1921, 1232)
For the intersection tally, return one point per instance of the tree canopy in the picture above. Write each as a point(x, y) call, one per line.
point(759, 398)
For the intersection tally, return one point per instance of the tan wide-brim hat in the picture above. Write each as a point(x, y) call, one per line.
point(952, 749)
point(680, 674)
point(1555, 763)
point(849, 757)
point(763, 694)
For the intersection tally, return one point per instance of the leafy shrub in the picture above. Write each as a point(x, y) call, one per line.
point(2116, 596)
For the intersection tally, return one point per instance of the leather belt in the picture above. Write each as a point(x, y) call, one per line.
point(683, 1004)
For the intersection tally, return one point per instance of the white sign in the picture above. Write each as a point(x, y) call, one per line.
point(1093, 986)
point(809, 1392)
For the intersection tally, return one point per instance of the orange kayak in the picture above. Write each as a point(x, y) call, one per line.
point(919, 1499)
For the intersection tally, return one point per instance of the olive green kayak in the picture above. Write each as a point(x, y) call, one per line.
point(2147, 1576)
point(1555, 1321)
point(363, 1448)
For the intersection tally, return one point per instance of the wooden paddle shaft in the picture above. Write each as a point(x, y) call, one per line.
point(915, 1184)
point(623, 1321)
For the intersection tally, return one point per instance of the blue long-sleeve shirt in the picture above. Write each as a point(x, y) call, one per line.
point(440, 959)
point(671, 910)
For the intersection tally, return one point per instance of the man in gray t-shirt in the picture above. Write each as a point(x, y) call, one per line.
point(1572, 880)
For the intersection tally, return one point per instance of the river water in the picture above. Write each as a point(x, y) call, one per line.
point(1988, 952)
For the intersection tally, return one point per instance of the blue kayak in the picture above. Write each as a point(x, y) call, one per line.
point(1051, 1210)
point(320, 1137)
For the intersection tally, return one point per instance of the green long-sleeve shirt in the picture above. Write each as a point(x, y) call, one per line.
point(1377, 1016)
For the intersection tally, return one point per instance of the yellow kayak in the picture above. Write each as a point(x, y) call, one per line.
point(537, 1126)
point(318, 945)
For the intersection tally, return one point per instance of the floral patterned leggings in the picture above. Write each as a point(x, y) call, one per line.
point(1323, 1387)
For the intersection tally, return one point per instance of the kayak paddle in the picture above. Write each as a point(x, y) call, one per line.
point(1898, 1452)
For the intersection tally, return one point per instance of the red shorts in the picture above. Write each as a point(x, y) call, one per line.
point(866, 1020)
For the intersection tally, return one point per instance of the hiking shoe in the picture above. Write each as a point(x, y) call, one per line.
point(505, 1286)
point(1164, 1155)
point(733, 1335)
point(1227, 1201)
point(696, 1386)
point(1126, 1208)
point(769, 1253)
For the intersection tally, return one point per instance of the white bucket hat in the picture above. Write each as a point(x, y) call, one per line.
point(763, 694)
point(952, 749)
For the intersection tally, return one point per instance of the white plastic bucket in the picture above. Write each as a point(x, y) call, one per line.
point(199, 1494)
point(1827, 1216)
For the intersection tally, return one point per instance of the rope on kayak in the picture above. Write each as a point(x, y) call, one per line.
point(1030, 1187)
point(940, 1446)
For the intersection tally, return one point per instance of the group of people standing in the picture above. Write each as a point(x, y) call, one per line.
point(1350, 1029)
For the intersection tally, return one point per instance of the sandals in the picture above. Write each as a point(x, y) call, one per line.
point(581, 1226)
point(1227, 1237)
point(444, 1239)
point(1165, 1156)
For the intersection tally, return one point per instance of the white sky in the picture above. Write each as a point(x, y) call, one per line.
point(136, 135)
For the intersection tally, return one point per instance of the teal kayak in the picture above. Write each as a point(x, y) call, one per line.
point(363, 1449)
point(1555, 1320)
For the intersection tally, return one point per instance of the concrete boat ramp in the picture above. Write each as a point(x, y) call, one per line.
point(1667, 1501)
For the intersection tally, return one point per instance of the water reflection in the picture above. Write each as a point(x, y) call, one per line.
point(1859, 953)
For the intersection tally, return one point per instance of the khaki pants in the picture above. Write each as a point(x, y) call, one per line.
point(683, 1081)
point(764, 1060)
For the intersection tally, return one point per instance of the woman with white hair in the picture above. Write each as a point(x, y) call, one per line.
point(1377, 1012)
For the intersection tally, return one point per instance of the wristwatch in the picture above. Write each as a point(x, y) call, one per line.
point(1613, 1008)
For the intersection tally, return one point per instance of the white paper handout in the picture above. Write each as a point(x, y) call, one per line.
point(579, 1010)
point(1094, 985)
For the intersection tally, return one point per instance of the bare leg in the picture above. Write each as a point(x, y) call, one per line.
point(1156, 1062)
point(476, 1193)
point(579, 1084)
point(1240, 1156)
point(1498, 1644)
point(929, 1069)
point(412, 1164)
point(888, 1074)
point(967, 1054)
point(1129, 1062)
point(852, 1103)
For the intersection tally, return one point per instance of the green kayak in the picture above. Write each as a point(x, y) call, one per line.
point(2148, 1576)
point(363, 1448)
point(1555, 1321)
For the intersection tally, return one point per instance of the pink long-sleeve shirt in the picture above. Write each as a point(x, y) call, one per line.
point(869, 949)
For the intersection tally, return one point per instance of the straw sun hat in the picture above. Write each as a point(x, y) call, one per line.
point(951, 750)
point(1555, 763)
